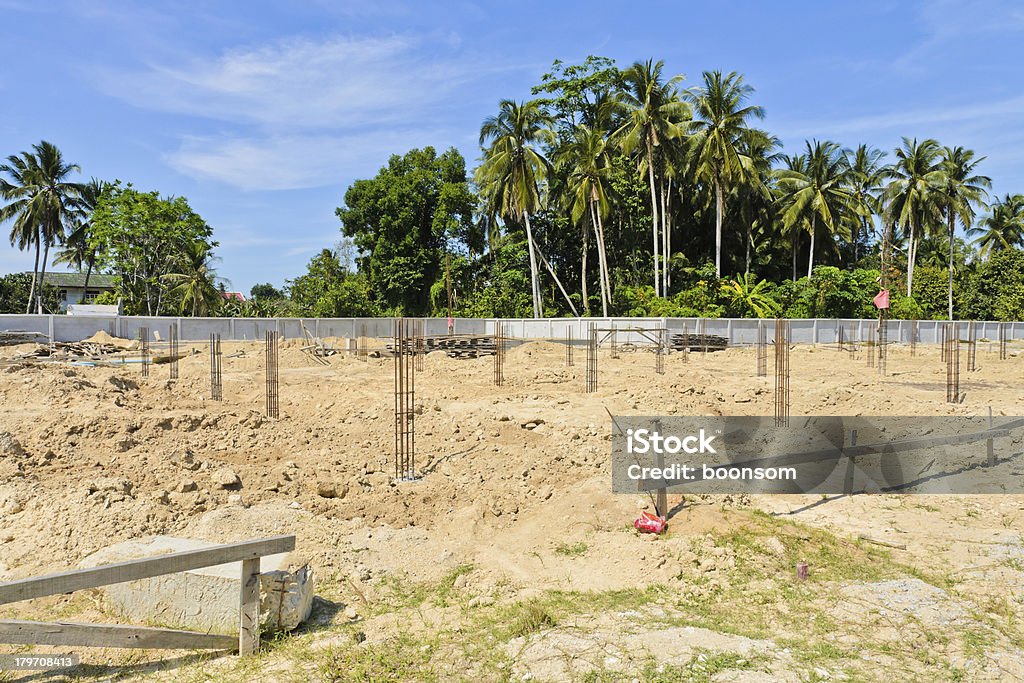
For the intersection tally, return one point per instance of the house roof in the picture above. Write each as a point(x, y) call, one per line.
point(72, 280)
point(233, 296)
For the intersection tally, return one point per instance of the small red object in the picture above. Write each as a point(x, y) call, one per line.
point(647, 523)
point(882, 299)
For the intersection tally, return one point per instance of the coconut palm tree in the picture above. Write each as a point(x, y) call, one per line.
point(913, 194)
point(195, 281)
point(586, 155)
point(818, 194)
point(79, 251)
point(747, 298)
point(866, 177)
point(961, 190)
point(514, 170)
point(655, 115)
point(754, 194)
point(1003, 228)
point(721, 121)
point(41, 201)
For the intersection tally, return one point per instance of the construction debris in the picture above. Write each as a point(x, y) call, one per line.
point(699, 342)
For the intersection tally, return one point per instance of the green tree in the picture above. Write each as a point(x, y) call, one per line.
point(514, 170)
point(961, 189)
point(913, 194)
point(1002, 228)
point(265, 290)
point(194, 282)
point(403, 221)
point(866, 179)
point(79, 251)
point(41, 201)
point(14, 289)
point(329, 290)
point(140, 237)
point(655, 113)
point(748, 298)
point(817, 195)
point(721, 121)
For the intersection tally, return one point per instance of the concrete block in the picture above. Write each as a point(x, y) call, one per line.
point(204, 599)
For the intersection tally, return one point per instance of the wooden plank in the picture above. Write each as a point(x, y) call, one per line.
point(249, 608)
point(108, 635)
point(104, 575)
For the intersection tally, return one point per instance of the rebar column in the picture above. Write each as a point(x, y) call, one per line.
point(419, 347)
point(216, 383)
point(499, 354)
point(972, 347)
point(1003, 336)
point(660, 350)
point(913, 338)
point(405, 401)
point(361, 343)
point(952, 349)
point(144, 349)
point(568, 346)
point(592, 361)
point(615, 342)
point(762, 349)
point(172, 343)
point(781, 373)
point(883, 342)
point(272, 367)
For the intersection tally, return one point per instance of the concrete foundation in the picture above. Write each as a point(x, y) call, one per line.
point(204, 599)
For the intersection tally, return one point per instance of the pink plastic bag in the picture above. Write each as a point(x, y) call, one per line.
point(650, 524)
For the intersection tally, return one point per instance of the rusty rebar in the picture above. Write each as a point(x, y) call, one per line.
point(592, 360)
point(499, 354)
point(781, 373)
point(273, 374)
point(172, 342)
point(762, 349)
point(972, 346)
point(660, 350)
point(568, 346)
point(405, 400)
point(913, 338)
point(1003, 337)
point(883, 341)
point(144, 349)
point(216, 378)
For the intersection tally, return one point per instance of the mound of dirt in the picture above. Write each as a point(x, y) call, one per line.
point(102, 337)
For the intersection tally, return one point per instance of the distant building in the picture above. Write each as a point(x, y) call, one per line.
point(72, 285)
point(233, 296)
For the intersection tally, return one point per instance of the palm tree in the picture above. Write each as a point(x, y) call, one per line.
point(748, 298)
point(866, 177)
point(41, 202)
point(720, 123)
point(913, 193)
point(196, 281)
point(1003, 228)
point(79, 251)
point(514, 169)
point(587, 157)
point(655, 113)
point(961, 190)
point(818, 193)
point(755, 196)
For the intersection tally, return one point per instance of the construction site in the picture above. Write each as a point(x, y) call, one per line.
point(449, 494)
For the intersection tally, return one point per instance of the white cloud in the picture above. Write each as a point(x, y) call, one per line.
point(299, 112)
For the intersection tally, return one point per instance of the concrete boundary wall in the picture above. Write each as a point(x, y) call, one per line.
point(739, 331)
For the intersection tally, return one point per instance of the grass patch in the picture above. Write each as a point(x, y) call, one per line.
point(702, 668)
point(577, 549)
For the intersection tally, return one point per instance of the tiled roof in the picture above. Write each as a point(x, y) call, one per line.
point(72, 280)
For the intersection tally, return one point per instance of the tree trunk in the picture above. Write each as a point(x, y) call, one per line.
point(654, 217)
point(952, 227)
point(810, 252)
point(583, 272)
point(910, 261)
point(85, 287)
point(35, 275)
point(603, 272)
point(534, 281)
point(750, 239)
point(793, 252)
point(42, 278)
point(719, 210)
point(666, 231)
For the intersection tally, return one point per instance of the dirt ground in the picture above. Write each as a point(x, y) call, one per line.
point(510, 559)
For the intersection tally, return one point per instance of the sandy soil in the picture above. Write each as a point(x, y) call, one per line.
point(514, 502)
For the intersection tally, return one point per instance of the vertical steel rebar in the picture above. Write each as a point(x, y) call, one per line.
point(684, 348)
point(762, 349)
point(420, 346)
point(660, 350)
point(568, 346)
point(361, 343)
point(216, 380)
point(952, 348)
point(615, 342)
point(499, 354)
point(144, 349)
point(781, 373)
point(405, 400)
point(1002, 340)
point(883, 341)
point(172, 339)
point(273, 374)
point(592, 360)
point(840, 333)
point(913, 338)
point(972, 346)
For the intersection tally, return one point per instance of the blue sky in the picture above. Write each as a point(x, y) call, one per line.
point(263, 113)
